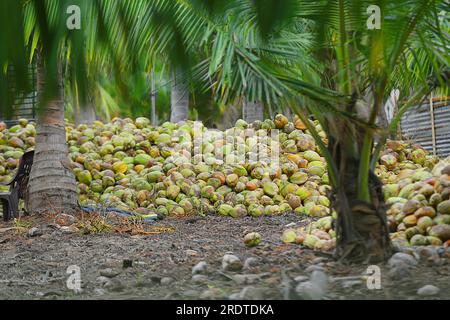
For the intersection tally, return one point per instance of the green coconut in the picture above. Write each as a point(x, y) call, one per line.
point(418, 240)
point(154, 176)
point(434, 241)
point(444, 207)
point(418, 156)
point(252, 239)
point(120, 167)
point(289, 236)
point(442, 219)
point(299, 178)
point(84, 176)
point(390, 190)
point(255, 210)
point(270, 189)
point(224, 209)
point(310, 241)
point(173, 191)
point(410, 232)
point(142, 159)
point(424, 222)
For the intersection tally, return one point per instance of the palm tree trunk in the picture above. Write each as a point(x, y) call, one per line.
point(179, 99)
point(361, 228)
point(253, 111)
point(52, 185)
point(84, 115)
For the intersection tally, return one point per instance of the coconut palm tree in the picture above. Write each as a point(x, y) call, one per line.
point(41, 33)
point(352, 63)
point(360, 62)
point(52, 185)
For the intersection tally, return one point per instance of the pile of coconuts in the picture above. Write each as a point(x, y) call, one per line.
point(14, 142)
point(187, 169)
point(269, 167)
point(419, 213)
point(417, 193)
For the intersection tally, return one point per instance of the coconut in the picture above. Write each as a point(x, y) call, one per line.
point(419, 240)
point(410, 221)
point(424, 222)
point(410, 232)
point(444, 207)
point(238, 211)
point(442, 219)
point(280, 121)
point(289, 236)
point(389, 161)
point(318, 211)
point(173, 191)
point(311, 156)
point(142, 159)
point(84, 176)
point(425, 211)
point(270, 189)
point(391, 190)
point(299, 178)
point(418, 156)
point(299, 124)
point(294, 201)
point(255, 210)
point(310, 241)
point(120, 167)
point(252, 239)
point(441, 231)
point(411, 206)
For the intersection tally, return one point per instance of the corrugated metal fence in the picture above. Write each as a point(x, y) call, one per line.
point(25, 104)
point(429, 125)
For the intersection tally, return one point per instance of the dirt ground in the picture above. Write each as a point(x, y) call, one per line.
point(159, 266)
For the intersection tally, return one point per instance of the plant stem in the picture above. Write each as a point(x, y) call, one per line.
point(344, 61)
